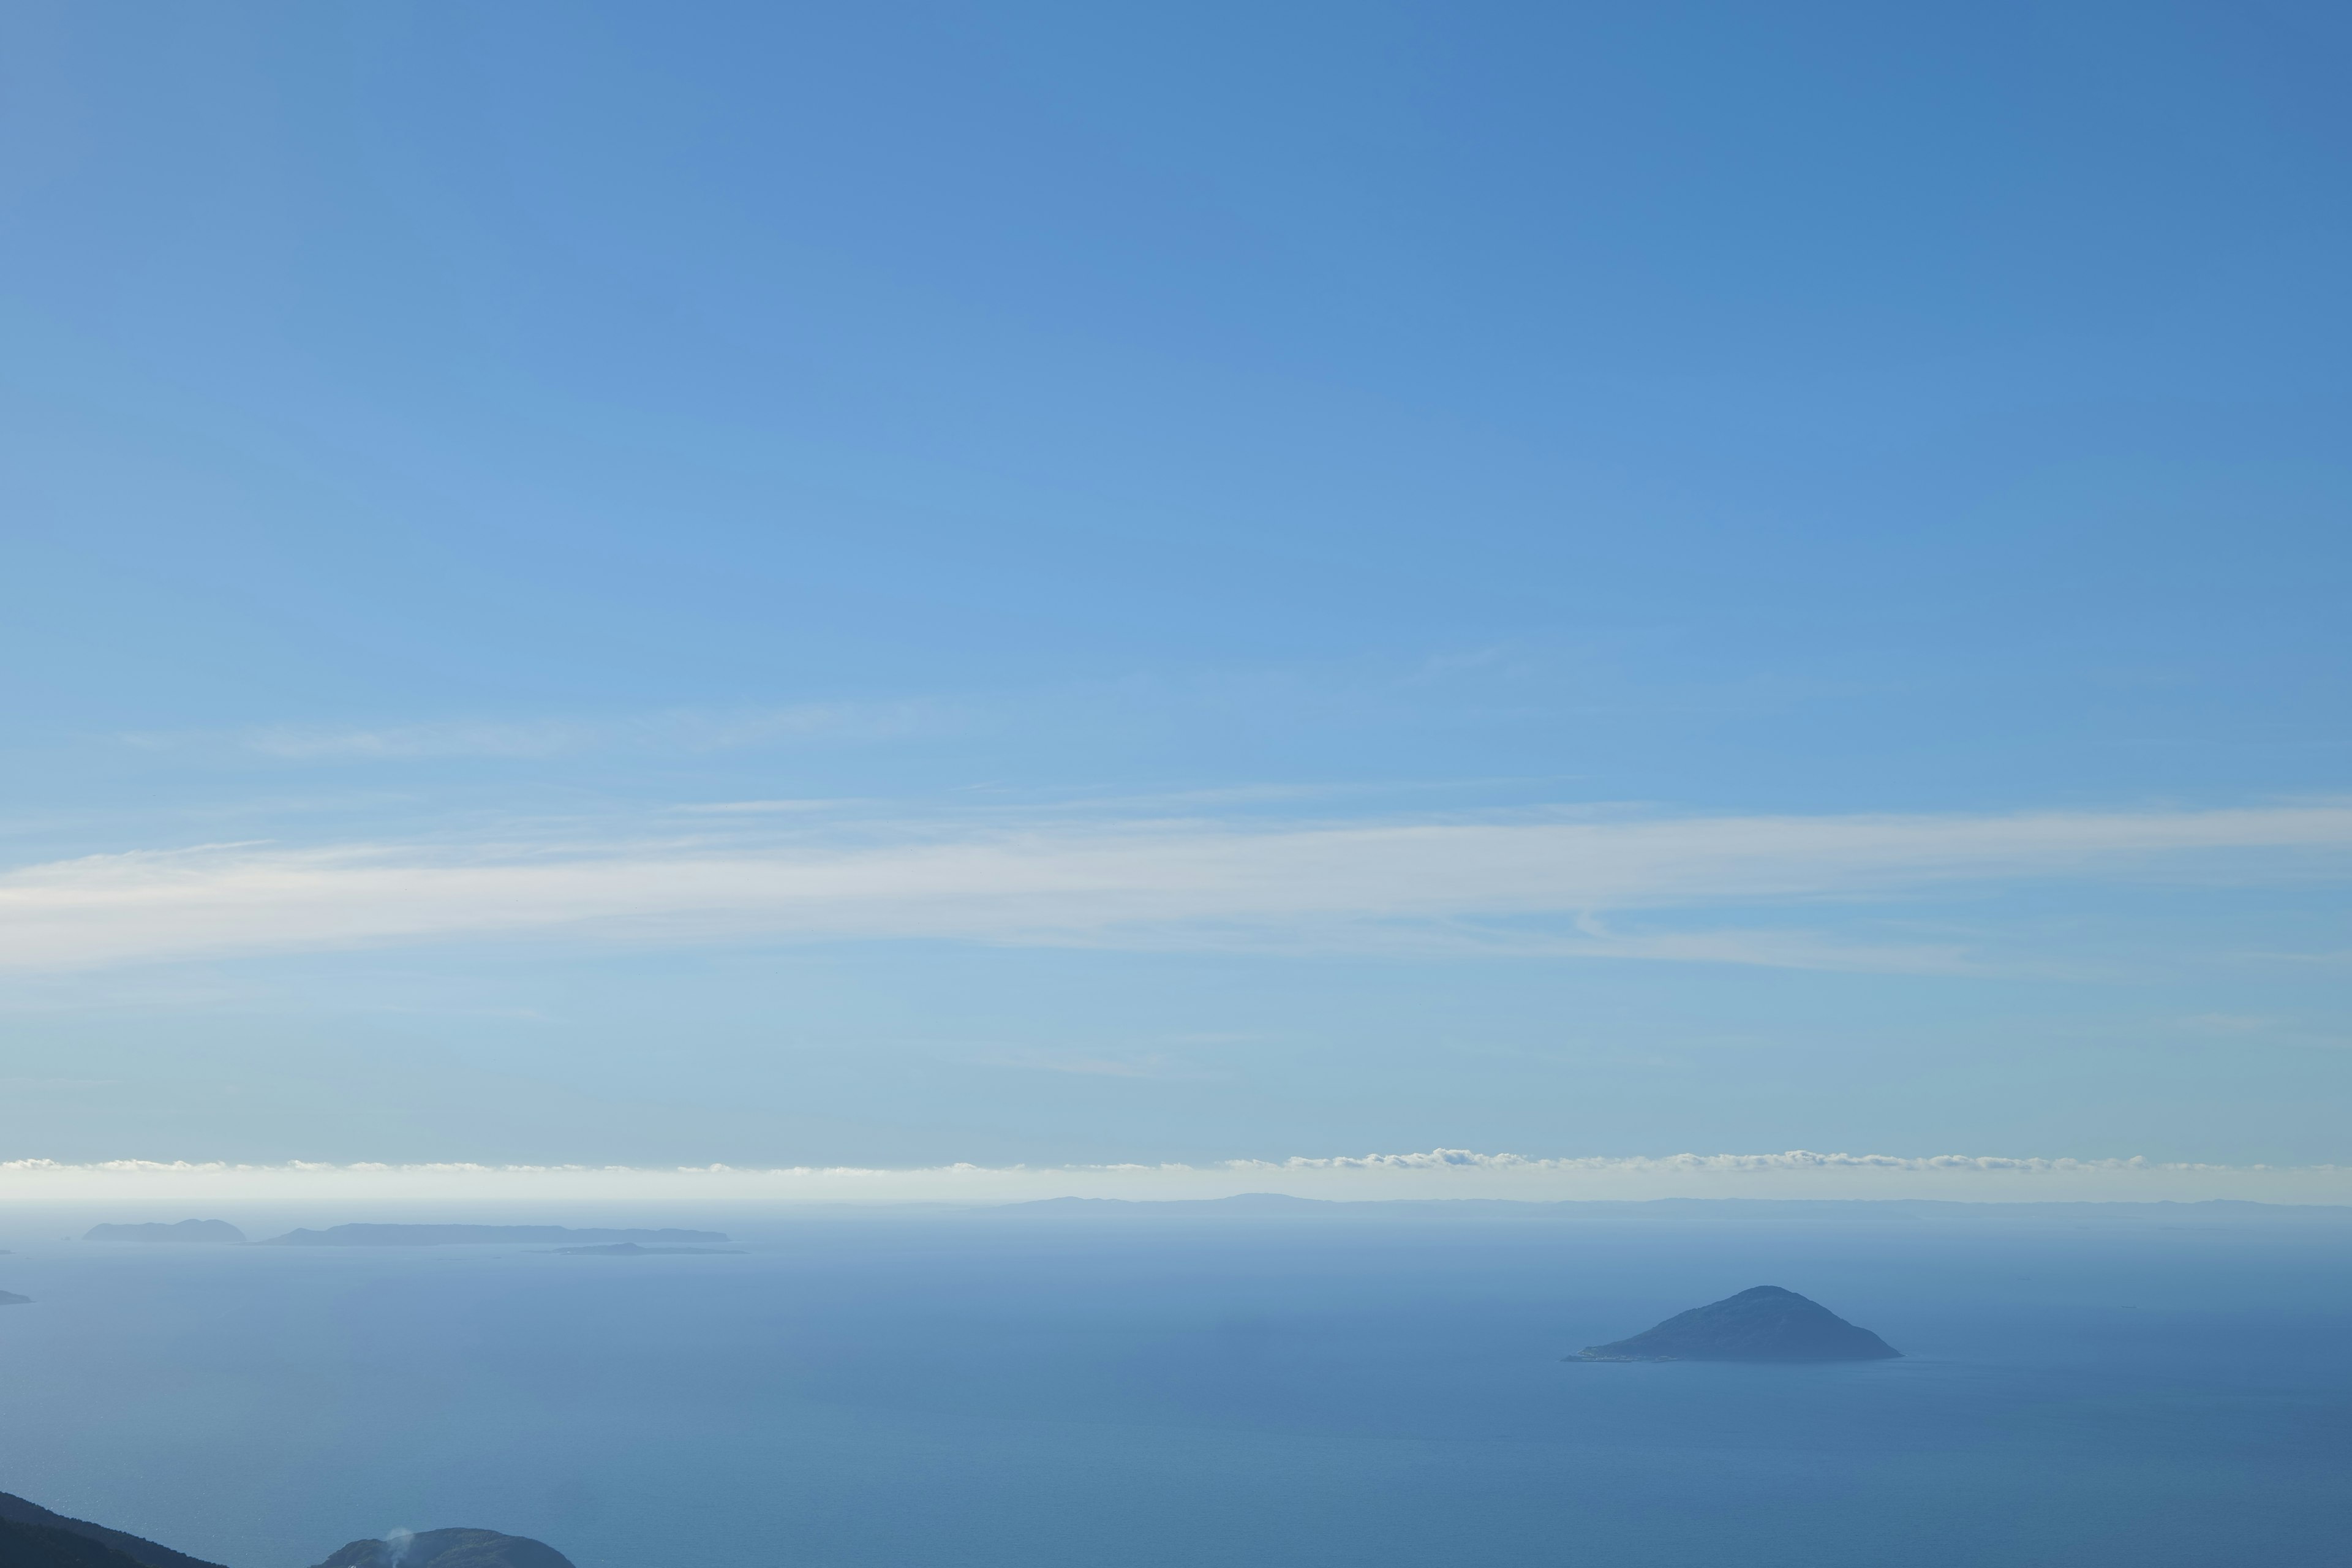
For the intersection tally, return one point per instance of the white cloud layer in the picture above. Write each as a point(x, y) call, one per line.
point(1353, 885)
point(1433, 1173)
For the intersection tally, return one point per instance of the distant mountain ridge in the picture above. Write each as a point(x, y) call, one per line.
point(477, 1235)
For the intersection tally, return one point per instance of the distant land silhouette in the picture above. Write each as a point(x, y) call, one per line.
point(218, 1232)
point(10, 1298)
point(1766, 1323)
point(477, 1235)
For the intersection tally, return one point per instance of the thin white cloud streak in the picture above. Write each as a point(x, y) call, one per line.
point(1368, 887)
point(1432, 1173)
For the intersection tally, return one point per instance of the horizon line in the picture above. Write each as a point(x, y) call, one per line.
point(1437, 1172)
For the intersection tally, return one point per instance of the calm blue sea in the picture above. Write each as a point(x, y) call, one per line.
point(2091, 1386)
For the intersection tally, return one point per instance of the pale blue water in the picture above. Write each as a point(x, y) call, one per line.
point(2142, 1387)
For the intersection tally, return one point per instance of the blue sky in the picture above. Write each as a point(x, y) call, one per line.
point(909, 584)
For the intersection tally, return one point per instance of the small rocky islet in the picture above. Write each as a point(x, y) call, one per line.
point(1763, 1324)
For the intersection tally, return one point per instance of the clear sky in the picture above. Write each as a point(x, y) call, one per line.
point(898, 583)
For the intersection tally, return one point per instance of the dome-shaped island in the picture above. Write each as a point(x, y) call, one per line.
point(1766, 1323)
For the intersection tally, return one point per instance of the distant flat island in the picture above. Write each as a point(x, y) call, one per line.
point(10, 1298)
point(478, 1234)
point(1766, 1323)
point(211, 1232)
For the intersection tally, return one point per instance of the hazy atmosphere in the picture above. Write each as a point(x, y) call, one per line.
point(1296, 786)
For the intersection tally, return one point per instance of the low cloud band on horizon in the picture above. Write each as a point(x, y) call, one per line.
point(1429, 1174)
point(1365, 886)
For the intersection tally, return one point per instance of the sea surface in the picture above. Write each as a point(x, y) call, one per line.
point(1084, 1386)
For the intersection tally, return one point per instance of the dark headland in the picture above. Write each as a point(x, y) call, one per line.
point(1766, 1323)
point(33, 1537)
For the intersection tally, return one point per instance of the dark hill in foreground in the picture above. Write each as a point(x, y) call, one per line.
point(33, 1537)
point(450, 1548)
point(26, 1529)
point(1766, 1323)
point(39, 1546)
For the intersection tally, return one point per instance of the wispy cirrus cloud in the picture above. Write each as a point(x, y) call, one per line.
point(1538, 883)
